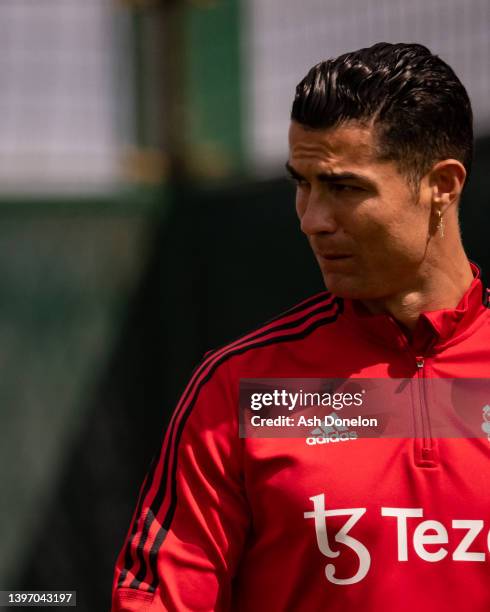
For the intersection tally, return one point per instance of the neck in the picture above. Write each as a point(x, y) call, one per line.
point(436, 287)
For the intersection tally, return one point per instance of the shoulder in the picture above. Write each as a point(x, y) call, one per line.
point(260, 352)
point(294, 324)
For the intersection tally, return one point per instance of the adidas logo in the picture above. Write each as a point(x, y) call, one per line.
point(326, 434)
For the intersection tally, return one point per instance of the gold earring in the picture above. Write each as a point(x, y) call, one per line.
point(440, 223)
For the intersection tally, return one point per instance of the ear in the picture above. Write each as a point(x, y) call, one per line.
point(446, 180)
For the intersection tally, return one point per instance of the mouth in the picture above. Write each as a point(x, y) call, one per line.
point(334, 257)
point(334, 262)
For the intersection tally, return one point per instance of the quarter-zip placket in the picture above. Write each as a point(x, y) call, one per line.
point(424, 447)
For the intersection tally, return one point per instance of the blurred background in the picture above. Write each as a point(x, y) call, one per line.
point(144, 219)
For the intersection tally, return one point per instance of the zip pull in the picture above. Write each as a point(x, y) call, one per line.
point(420, 362)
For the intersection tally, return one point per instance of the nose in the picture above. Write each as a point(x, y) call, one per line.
point(315, 213)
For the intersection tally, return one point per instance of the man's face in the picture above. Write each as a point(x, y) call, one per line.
point(367, 228)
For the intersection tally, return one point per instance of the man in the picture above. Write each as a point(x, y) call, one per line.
point(380, 148)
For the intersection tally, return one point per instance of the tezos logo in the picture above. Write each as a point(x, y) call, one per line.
point(420, 544)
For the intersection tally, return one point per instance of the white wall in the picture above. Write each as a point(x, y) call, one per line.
point(284, 38)
point(58, 106)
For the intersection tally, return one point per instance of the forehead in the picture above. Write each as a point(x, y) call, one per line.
point(349, 144)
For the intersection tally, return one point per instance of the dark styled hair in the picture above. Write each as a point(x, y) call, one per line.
point(419, 108)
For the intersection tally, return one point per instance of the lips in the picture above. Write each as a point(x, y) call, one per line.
point(333, 256)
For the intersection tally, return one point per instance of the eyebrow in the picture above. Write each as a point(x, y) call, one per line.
point(327, 177)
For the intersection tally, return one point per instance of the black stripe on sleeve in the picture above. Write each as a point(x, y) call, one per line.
point(157, 502)
point(262, 331)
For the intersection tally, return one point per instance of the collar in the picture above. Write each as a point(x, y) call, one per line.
point(433, 330)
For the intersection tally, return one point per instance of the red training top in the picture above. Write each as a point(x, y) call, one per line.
point(226, 523)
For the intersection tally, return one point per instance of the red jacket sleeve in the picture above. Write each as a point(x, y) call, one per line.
point(190, 524)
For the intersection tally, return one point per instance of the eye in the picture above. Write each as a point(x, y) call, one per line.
point(299, 182)
point(343, 188)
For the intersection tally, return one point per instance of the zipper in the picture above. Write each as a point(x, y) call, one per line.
point(425, 456)
point(427, 450)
